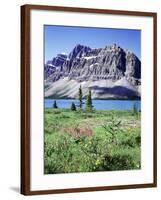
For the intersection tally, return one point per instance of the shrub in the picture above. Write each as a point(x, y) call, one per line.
point(73, 107)
point(112, 128)
point(120, 160)
point(78, 132)
point(55, 105)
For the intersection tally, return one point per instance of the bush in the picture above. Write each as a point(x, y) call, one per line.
point(73, 107)
point(112, 129)
point(66, 154)
point(121, 159)
point(55, 105)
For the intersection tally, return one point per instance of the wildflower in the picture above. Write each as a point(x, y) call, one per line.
point(97, 162)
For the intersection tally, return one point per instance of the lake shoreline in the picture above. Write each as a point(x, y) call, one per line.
point(114, 99)
point(97, 104)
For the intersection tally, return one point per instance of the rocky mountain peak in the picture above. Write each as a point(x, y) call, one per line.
point(85, 64)
point(79, 51)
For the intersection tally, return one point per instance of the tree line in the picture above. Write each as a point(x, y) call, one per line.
point(89, 106)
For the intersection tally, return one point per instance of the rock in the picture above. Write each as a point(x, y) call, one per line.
point(90, 66)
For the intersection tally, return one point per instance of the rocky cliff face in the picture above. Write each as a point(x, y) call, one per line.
point(110, 72)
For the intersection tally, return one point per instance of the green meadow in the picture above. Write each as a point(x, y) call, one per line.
point(81, 141)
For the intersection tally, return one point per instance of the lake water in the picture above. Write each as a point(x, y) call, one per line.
point(98, 104)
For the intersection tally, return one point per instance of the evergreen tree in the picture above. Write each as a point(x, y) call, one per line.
point(55, 105)
point(73, 107)
point(135, 109)
point(89, 102)
point(80, 97)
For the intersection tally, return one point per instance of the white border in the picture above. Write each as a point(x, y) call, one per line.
point(39, 181)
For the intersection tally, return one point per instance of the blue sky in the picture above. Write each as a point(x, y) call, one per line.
point(62, 39)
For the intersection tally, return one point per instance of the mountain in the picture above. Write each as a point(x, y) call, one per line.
point(110, 72)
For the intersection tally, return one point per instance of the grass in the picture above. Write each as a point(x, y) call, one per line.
point(77, 141)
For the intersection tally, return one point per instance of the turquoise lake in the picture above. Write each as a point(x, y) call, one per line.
point(97, 104)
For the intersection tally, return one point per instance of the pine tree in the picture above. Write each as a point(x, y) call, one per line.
point(135, 109)
point(89, 102)
point(55, 105)
point(80, 97)
point(73, 107)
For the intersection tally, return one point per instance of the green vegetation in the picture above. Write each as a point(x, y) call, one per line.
point(73, 107)
point(81, 141)
point(135, 110)
point(80, 97)
point(89, 106)
point(55, 105)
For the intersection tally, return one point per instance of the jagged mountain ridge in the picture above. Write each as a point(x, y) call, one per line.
point(110, 72)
